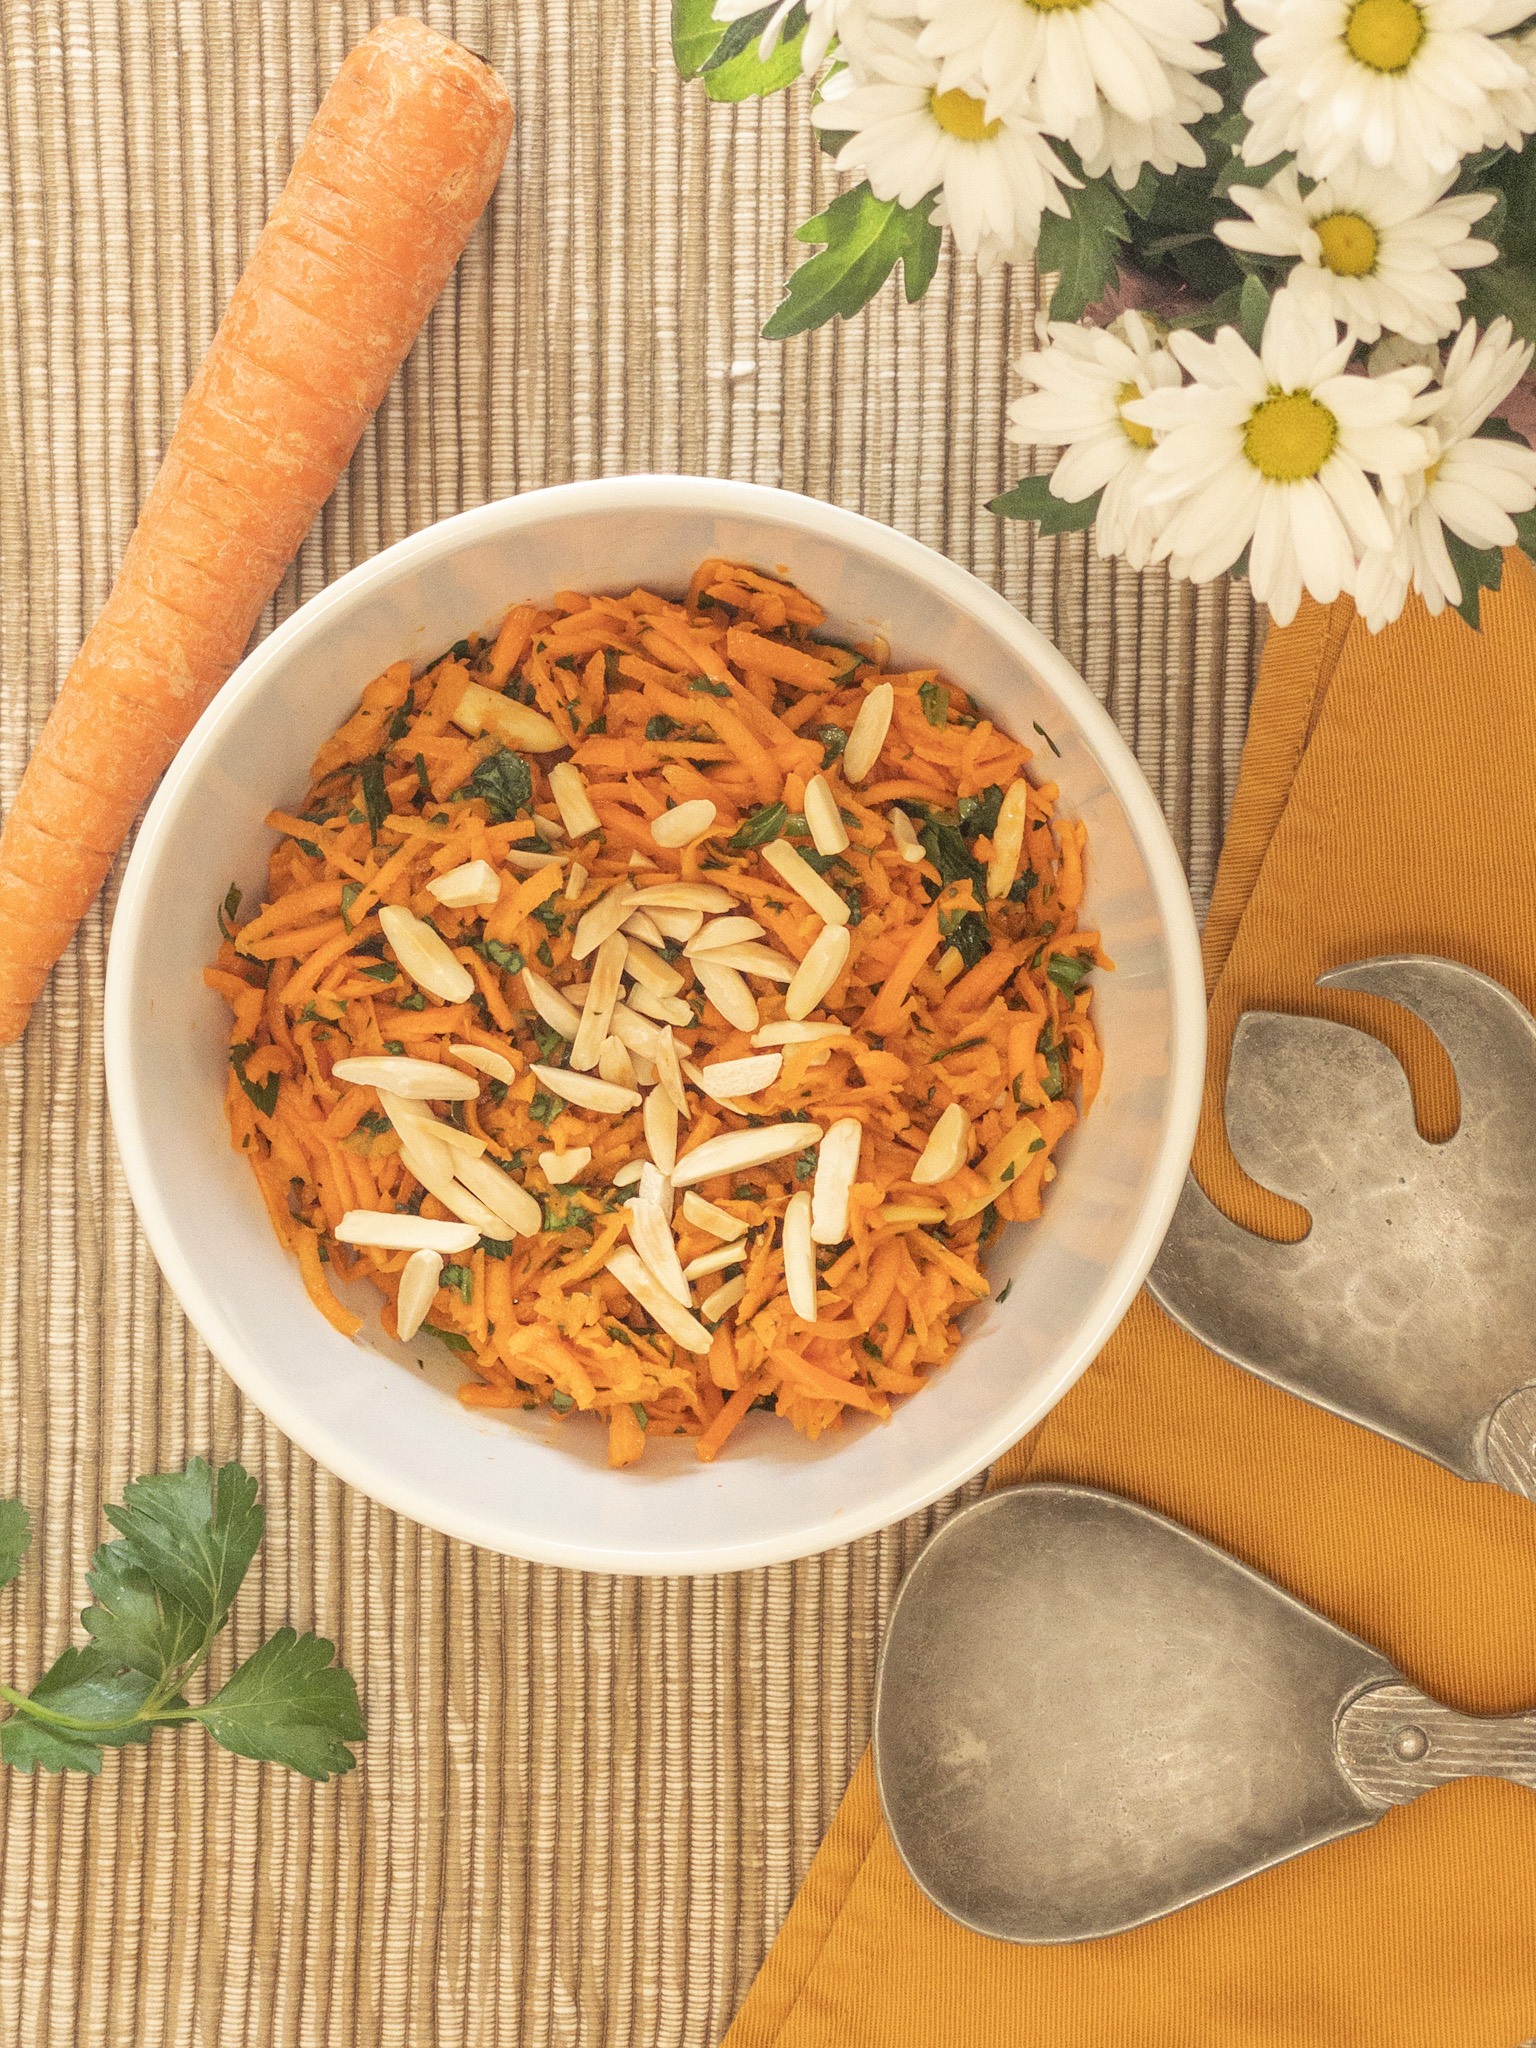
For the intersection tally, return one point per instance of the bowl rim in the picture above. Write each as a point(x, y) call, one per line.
point(914, 558)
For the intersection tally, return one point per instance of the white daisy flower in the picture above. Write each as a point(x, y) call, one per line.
point(995, 172)
point(1082, 382)
point(1110, 141)
point(824, 21)
point(1409, 84)
point(1063, 55)
point(1512, 114)
point(1373, 252)
point(1273, 452)
point(1470, 485)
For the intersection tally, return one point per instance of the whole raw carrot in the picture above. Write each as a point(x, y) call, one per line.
point(398, 165)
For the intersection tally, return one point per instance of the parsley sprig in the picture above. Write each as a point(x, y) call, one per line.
point(162, 1593)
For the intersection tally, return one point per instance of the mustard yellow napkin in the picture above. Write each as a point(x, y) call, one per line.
point(1387, 803)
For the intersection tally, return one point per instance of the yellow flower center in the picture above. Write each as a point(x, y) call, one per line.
point(1138, 435)
point(1289, 436)
point(962, 115)
point(1349, 244)
point(1385, 34)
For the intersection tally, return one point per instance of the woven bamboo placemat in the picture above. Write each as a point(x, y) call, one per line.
point(585, 1803)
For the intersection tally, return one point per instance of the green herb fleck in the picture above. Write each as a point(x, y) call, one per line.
point(451, 1338)
point(934, 698)
point(507, 958)
point(350, 891)
point(1003, 1292)
point(393, 1045)
point(1067, 970)
point(423, 781)
point(833, 739)
point(545, 1107)
point(1039, 728)
point(375, 795)
point(414, 1001)
point(759, 827)
point(503, 782)
point(462, 1280)
point(978, 814)
point(385, 970)
point(229, 909)
point(710, 689)
point(561, 1403)
point(661, 727)
point(949, 1050)
point(262, 1094)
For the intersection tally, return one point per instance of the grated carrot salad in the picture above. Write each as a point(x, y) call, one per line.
point(628, 878)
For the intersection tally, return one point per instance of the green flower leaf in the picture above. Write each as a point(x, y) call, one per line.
point(15, 1537)
point(863, 239)
point(292, 1704)
point(1082, 248)
point(725, 54)
point(1031, 498)
point(194, 1533)
point(1479, 569)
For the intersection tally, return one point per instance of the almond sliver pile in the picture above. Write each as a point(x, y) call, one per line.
point(664, 1004)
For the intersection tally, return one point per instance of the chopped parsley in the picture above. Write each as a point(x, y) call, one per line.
point(263, 1094)
point(375, 795)
point(230, 909)
point(449, 1337)
point(545, 1107)
point(507, 958)
point(503, 782)
point(462, 1280)
point(759, 827)
point(1067, 970)
point(934, 698)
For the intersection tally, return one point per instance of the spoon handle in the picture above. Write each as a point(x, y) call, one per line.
point(1394, 1742)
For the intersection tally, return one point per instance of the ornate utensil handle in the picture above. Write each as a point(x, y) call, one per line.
point(1394, 1742)
point(1509, 1451)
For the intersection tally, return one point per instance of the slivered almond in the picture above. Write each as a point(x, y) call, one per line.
point(828, 832)
point(800, 1257)
point(904, 832)
point(705, 896)
point(632, 1273)
point(417, 1080)
point(1008, 839)
point(732, 1151)
point(549, 828)
point(629, 1173)
point(424, 955)
point(656, 1186)
point(602, 994)
point(665, 1009)
point(947, 1149)
point(530, 863)
point(604, 918)
point(481, 710)
point(641, 860)
point(837, 1167)
point(557, 1010)
point(729, 993)
point(641, 925)
point(749, 958)
point(614, 1063)
point(707, 1216)
point(951, 965)
point(677, 925)
point(387, 1231)
point(419, 1282)
point(571, 800)
point(650, 970)
point(797, 871)
point(868, 734)
point(645, 1070)
point(797, 1032)
point(651, 1235)
point(561, 1168)
point(635, 1033)
point(410, 1117)
point(714, 1262)
point(680, 827)
point(462, 888)
point(825, 961)
point(438, 1171)
point(575, 881)
point(660, 1119)
point(502, 1195)
point(722, 931)
point(585, 1090)
point(668, 1072)
point(727, 1079)
point(496, 1064)
point(723, 1300)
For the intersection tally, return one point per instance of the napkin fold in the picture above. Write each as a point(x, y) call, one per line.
point(1387, 803)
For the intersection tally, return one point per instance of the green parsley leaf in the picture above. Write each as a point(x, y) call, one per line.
point(194, 1532)
point(759, 827)
point(1066, 970)
point(15, 1538)
point(414, 1001)
point(503, 782)
point(544, 1107)
point(863, 240)
point(833, 739)
point(263, 1094)
point(350, 891)
point(462, 1280)
point(946, 848)
point(968, 933)
point(375, 795)
point(384, 971)
point(934, 698)
point(661, 727)
point(423, 780)
point(290, 1703)
point(561, 1403)
point(550, 916)
point(978, 814)
point(229, 909)
point(449, 1337)
point(1003, 1292)
point(637, 1408)
point(507, 958)
point(1039, 728)
point(137, 1623)
point(710, 689)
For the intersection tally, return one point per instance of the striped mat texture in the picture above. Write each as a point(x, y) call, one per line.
point(585, 1803)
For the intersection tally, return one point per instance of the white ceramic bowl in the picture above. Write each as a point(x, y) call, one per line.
point(528, 1484)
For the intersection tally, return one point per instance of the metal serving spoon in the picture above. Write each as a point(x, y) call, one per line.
point(1087, 1717)
point(1409, 1305)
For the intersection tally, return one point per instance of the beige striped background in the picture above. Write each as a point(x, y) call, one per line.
point(585, 1803)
